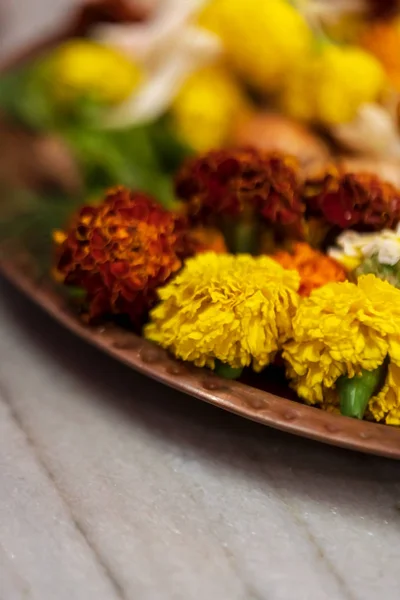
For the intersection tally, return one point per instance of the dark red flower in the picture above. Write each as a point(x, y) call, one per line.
point(359, 201)
point(120, 251)
point(229, 183)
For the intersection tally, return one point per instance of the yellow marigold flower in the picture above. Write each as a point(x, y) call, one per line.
point(383, 313)
point(264, 40)
point(237, 309)
point(385, 406)
point(332, 84)
point(206, 108)
point(84, 68)
point(340, 329)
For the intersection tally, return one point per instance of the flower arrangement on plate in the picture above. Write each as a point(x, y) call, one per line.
point(237, 204)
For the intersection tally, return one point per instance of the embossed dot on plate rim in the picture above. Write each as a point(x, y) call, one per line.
point(126, 344)
point(151, 356)
point(257, 403)
point(332, 428)
point(176, 369)
point(214, 385)
point(290, 414)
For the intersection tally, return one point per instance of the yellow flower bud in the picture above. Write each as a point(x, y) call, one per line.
point(330, 87)
point(206, 108)
point(263, 39)
point(85, 68)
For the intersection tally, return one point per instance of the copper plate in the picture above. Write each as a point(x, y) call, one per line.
point(249, 402)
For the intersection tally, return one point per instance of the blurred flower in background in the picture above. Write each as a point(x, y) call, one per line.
point(81, 68)
point(206, 106)
point(382, 38)
point(169, 46)
point(132, 100)
point(328, 88)
point(263, 41)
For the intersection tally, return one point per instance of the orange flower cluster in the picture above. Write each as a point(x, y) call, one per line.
point(315, 269)
point(359, 201)
point(120, 251)
point(230, 183)
point(382, 38)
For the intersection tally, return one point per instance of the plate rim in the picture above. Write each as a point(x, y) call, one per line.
point(236, 397)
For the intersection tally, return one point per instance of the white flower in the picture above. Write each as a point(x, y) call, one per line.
point(353, 247)
point(169, 47)
point(372, 132)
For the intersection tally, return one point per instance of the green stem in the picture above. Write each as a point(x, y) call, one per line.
point(242, 237)
point(355, 392)
point(75, 293)
point(226, 371)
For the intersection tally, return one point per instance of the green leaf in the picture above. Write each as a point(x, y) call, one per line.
point(390, 273)
point(24, 98)
point(28, 220)
point(171, 150)
point(136, 143)
point(143, 157)
point(11, 86)
point(127, 157)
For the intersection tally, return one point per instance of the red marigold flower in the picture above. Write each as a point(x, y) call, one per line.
point(120, 251)
point(229, 183)
point(359, 201)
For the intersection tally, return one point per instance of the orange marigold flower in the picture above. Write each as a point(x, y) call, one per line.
point(359, 201)
point(229, 183)
point(120, 251)
point(315, 269)
point(208, 239)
